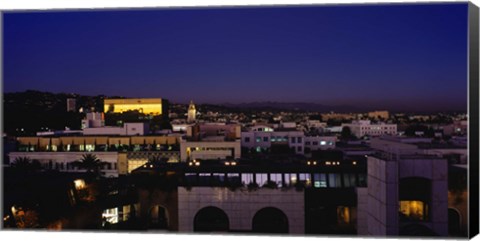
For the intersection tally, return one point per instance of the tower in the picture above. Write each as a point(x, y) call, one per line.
point(192, 112)
point(71, 104)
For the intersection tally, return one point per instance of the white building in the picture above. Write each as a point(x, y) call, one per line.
point(314, 143)
point(362, 128)
point(407, 191)
point(263, 137)
point(128, 129)
point(62, 161)
point(93, 120)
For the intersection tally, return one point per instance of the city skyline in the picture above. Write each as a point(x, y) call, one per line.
point(379, 56)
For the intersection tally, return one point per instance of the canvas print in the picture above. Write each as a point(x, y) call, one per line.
point(315, 120)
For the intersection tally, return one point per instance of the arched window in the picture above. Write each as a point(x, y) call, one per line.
point(211, 219)
point(270, 220)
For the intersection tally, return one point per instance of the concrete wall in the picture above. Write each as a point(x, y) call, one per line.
point(362, 211)
point(383, 193)
point(240, 206)
point(382, 202)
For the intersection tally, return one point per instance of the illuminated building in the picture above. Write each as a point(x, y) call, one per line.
point(378, 114)
point(190, 150)
point(262, 138)
point(192, 112)
point(362, 128)
point(407, 192)
point(122, 154)
point(149, 106)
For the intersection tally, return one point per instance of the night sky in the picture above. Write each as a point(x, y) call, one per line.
point(385, 56)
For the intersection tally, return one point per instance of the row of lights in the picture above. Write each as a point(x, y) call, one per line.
point(332, 163)
point(230, 163)
point(311, 163)
point(194, 163)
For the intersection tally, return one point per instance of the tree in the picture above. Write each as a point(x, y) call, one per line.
point(90, 163)
point(26, 164)
point(346, 133)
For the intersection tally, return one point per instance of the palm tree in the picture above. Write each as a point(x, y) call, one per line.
point(26, 164)
point(90, 163)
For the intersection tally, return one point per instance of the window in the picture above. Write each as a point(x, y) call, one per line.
point(320, 180)
point(323, 143)
point(258, 139)
point(315, 143)
point(299, 149)
point(110, 215)
point(305, 178)
point(299, 139)
point(277, 178)
point(247, 139)
point(247, 178)
point(413, 210)
point(349, 180)
point(307, 143)
point(290, 179)
point(218, 178)
point(204, 178)
point(343, 215)
point(233, 178)
point(261, 179)
point(265, 139)
point(334, 180)
point(292, 140)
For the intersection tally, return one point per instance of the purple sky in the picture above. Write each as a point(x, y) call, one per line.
point(383, 56)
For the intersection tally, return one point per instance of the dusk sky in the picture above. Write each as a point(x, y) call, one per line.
point(384, 56)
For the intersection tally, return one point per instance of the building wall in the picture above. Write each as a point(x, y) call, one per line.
point(383, 193)
point(263, 139)
point(240, 206)
point(144, 105)
point(382, 199)
point(68, 157)
point(362, 211)
point(209, 149)
point(375, 114)
point(364, 127)
point(320, 142)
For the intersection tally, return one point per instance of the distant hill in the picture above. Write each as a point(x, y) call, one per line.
point(33, 110)
point(294, 106)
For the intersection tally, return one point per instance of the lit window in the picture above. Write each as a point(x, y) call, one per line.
point(79, 184)
point(413, 209)
point(320, 180)
point(110, 216)
point(343, 215)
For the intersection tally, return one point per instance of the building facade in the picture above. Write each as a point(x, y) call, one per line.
point(362, 128)
point(149, 106)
